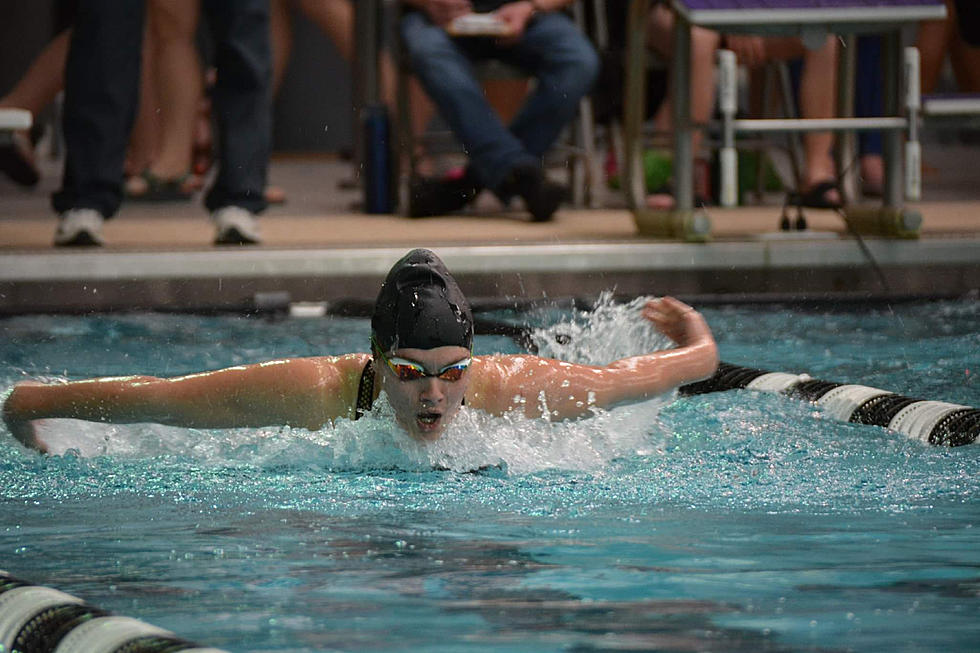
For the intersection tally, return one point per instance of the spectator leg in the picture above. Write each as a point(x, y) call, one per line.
point(448, 77)
point(43, 80)
point(818, 99)
point(179, 81)
point(933, 42)
point(566, 66)
point(101, 91)
point(242, 101)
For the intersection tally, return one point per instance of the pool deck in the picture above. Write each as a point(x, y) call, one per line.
point(320, 248)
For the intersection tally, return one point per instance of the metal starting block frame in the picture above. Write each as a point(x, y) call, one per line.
point(811, 20)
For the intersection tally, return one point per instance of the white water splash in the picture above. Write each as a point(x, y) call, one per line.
point(606, 333)
point(473, 441)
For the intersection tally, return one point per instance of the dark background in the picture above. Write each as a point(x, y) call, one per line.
point(312, 112)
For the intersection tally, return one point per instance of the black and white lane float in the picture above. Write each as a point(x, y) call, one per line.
point(936, 422)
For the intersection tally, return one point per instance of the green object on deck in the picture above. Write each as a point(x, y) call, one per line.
point(748, 173)
point(658, 168)
point(884, 221)
point(658, 173)
point(689, 226)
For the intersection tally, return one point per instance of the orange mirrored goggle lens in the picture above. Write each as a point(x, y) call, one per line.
point(409, 371)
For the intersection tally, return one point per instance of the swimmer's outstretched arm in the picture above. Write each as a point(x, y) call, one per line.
point(304, 392)
point(565, 390)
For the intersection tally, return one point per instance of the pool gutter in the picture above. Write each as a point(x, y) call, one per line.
point(780, 269)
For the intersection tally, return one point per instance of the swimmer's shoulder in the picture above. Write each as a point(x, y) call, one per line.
point(345, 370)
point(334, 380)
point(496, 377)
point(338, 368)
point(346, 363)
point(501, 368)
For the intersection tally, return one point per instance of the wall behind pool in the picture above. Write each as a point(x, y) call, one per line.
point(312, 111)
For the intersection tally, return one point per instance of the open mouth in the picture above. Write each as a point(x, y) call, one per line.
point(428, 421)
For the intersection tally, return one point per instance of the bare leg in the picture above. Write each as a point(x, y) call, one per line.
point(818, 99)
point(144, 140)
point(872, 174)
point(785, 48)
point(43, 79)
point(179, 81)
point(421, 113)
point(934, 37)
point(704, 44)
point(336, 19)
point(281, 28)
point(660, 32)
point(35, 90)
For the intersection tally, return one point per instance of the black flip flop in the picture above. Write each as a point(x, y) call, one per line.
point(159, 189)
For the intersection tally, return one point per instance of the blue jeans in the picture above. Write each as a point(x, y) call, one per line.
point(552, 49)
point(102, 91)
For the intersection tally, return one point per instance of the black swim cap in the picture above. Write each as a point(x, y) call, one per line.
point(420, 306)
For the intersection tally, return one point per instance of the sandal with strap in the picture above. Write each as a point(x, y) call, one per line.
point(817, 196)
point(158, 189)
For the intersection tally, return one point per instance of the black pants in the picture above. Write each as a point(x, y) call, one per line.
point(968, 16)
point(102, 93)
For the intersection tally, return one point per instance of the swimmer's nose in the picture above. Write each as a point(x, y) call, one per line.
point(432, 392)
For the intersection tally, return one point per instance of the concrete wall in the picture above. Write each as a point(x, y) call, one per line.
point(313, 109)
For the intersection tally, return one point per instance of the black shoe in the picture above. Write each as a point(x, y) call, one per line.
point(541, 195)
point(14, 160)
point(428, 196)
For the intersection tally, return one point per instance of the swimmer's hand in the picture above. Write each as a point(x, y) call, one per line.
point(678, 321)
point(20, 427)
point(570, 391)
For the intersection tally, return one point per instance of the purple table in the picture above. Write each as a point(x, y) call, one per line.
point(809, 19)
point(835, 15)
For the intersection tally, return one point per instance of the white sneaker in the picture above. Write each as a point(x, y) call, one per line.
point(236, 226)
point(79, 228)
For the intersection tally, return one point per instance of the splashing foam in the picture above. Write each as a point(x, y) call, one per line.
point(473, 441)
point(606, 333)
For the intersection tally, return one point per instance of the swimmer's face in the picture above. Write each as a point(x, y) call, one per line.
point(425, 406)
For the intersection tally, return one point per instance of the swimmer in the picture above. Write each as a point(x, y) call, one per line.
point(421, 358)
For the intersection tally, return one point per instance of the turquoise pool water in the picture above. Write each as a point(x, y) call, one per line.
point(729, 522)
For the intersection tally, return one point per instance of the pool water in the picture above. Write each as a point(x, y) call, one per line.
point(737, 521)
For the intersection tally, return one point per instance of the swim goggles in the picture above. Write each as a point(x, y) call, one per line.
point(407, 370)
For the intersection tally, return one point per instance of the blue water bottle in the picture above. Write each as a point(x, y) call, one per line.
point(378, 187)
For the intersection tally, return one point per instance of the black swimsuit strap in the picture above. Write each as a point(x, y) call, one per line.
point(365, 390)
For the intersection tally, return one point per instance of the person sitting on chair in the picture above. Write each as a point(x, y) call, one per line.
point(537, 38)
